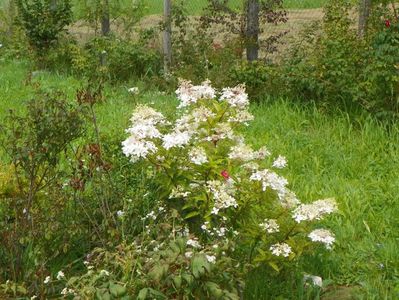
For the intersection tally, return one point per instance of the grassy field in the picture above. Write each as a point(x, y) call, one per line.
point(351, 158)
point(196, 6)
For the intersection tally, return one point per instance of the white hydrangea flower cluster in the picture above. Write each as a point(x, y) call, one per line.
point(198, 156)
point(189, 94)
point(176, 139)
point(270, 226)
point(281, 249)
point(236, 97)
point(223, 193)
point(323, 236)
point(280, 162)
point(272, 180)
point(144, 121)
point(315, 210)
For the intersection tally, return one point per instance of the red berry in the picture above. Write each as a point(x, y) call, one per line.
point(387, 23)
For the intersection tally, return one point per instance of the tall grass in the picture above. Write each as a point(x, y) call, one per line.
point(351, 158)
point(195, 7)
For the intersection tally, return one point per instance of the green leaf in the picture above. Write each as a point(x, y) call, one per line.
point(274, 266)
point(177, 281)
point(188, 278)
point(117, 290)
point(200, 266)
point(157, 272)
point(143, 294)
point(191, 215)
point(214, 289)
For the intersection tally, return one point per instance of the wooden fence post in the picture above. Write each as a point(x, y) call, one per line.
point(105, 19)
point(252, 30)
point(167, 36)
point(364, 13)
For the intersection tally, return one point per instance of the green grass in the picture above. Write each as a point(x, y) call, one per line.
point(196, 6)
point(353, 159)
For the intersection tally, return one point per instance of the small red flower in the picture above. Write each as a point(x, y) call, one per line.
point(387, 23)
point(225, 174)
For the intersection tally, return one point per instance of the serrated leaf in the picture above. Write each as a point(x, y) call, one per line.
point(117, 290)
point(214, 289)
point(200, 265)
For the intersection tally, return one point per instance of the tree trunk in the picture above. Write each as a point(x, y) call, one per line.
point(364, 13)
point(252, 31)
point(167, 36)
point(105, 19)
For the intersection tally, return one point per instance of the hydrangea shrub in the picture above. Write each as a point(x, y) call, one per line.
point(222, 188)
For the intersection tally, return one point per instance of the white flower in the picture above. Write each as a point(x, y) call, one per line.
point(316, 280)
point(47, 280)
point(280, 162)
point(60, 275)
point(67, 291)
point(281, 249)
point(270, 226)
point(188, 254)
point(151, 215)
point(289, 199)
point(201, 114)
point(133, 90)
point(146, 115)
point(193, 243)
point(104, 273)
point(143, 131)
point(242, 152)
point(137, 149)
point(315, 210)
point(272, 180)
point(189, 94)
point(211, 258)
point(323, 236)
point(221, 232)
point(198, 156)
point(120, 213)
point(179, 192)
point(176, 139)
point(223, 195)
point(242, 116)
point(262, 153)
point(236, 97)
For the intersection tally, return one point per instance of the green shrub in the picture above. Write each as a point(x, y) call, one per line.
point(333, 66)
point(122, 60)
point(35, 143)
point(44, 21)
point(260, 79)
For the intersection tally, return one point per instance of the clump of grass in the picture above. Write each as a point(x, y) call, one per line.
point(355, 160)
